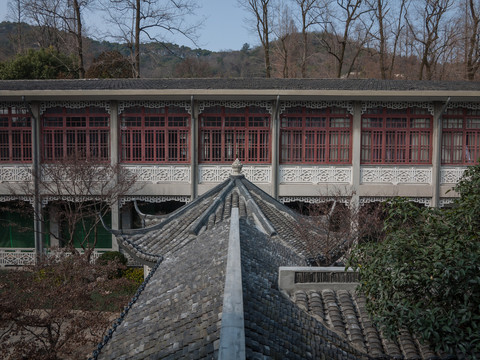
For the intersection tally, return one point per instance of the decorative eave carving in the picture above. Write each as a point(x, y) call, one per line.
point(317, 105)
point(154, 104)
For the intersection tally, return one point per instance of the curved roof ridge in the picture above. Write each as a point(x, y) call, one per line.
point(253, 207)
point(198, 224)
point(137, 252)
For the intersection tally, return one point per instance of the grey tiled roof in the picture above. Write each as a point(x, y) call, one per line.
point(274, 326)
point(238, 84)
point(178, 314)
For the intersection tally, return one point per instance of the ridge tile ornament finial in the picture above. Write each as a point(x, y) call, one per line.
point(237, 167)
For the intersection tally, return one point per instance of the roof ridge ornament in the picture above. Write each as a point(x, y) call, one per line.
point(237, 167)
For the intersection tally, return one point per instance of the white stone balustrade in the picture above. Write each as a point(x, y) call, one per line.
point(395, 175)
point(451, 174)
point(217, 173)
point(315, 174)
point(161, 173)
point(15, 173)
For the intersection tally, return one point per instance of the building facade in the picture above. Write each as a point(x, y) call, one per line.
point(299, 140)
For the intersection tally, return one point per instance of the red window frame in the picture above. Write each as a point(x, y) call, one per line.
point(315, 136)
point(15, 135)
point(461, 137)
point(155, 135)
point(82, 133)
point(229, 133)
point(397, 136)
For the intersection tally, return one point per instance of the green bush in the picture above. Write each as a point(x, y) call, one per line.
point(134, 274)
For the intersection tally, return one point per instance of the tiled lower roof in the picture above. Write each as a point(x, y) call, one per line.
point(344, 312)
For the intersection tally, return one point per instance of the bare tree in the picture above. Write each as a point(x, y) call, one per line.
point(472, 38)
point(135, 19)
point(61, 24)
point(332, 227)
point(284, 30)
point(432, 33)
point(44, 14)
point(311, 12)
point(349, 31)
point(16, 14)
point(390, 24)
point(262, 11)
point(83, 191)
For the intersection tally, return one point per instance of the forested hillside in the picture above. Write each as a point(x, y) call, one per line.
point(171, 60)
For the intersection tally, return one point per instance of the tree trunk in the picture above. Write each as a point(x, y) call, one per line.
point(137, 40)
point(79, 36)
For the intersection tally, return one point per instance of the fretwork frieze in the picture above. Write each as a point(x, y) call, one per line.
point(154, 198)
point(397, 105)
point(154, 104)
point(317, 105)
point(315, 199)
point(464, 104)
point(74, 105)
point(235, 104)
point(371, 199)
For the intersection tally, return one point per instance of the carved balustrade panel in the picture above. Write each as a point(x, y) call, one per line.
point(12, 173)
point(161, 173)
point(16, 257)
point(219, 173)
point(395, 175)
point(451, 174)
point(315, 175)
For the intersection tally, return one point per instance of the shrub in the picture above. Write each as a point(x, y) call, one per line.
point(108, 256)
point(113, 257)
point(134, 274)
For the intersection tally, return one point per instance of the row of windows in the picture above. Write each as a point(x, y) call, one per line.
point(314, 136)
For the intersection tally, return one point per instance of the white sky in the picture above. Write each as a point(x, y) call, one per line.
point(223, 28)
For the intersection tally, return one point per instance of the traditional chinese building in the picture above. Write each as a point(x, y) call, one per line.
point(299, 140)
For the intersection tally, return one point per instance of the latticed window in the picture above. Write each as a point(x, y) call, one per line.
point(227, 134)
point(315, 136)
point(461, 137)
point(396, 136)
point(76, 133)
point(155, 135)
point(15, 135)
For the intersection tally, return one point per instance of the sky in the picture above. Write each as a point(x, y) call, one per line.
point(224, 27)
